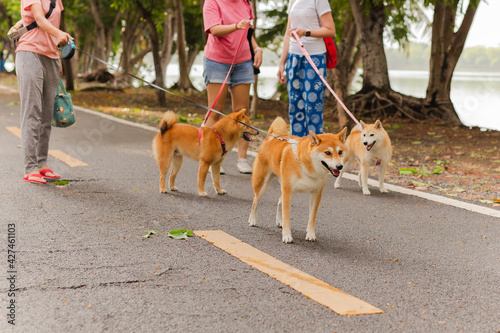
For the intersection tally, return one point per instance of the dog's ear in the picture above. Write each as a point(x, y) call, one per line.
point(314, 139)
point(343, 135)
point(240, 114)
point(378, 124)
point(363, 125)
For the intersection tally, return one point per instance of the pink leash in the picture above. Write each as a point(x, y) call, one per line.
point(322, 78)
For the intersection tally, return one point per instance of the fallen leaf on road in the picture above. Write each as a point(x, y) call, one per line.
point(180, 233)
point(149, 233)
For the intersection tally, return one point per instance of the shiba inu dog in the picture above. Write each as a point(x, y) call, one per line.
point(302, 167)
point(370, 145)
point(208, 146)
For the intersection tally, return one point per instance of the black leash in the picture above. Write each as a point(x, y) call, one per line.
point(184, 98)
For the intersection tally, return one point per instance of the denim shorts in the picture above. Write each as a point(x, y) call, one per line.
point(215, 72)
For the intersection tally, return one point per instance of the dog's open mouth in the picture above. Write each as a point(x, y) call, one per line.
point(334, 172)
point(247, 136)
point(369, 147)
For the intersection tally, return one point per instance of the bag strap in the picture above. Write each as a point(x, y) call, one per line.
point(61, 86)
point(51, 8)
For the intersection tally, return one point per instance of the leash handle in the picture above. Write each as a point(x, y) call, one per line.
point(227, 75)
point(308, 57)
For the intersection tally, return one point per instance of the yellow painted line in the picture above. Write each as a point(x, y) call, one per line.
point(68, 159)
point(61, 156)
point(321, 292)
point(14, 130)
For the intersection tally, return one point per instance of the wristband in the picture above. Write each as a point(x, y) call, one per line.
point(258, 49)
point(236, 25)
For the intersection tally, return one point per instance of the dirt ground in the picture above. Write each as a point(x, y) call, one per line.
point(452, 161)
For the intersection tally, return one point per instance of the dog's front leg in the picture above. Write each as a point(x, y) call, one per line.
point(216, 177)
point(202, 176)
point(383, 168)
point(314, 201)
point(279, 213)
point(286, 194)
point(363, 176)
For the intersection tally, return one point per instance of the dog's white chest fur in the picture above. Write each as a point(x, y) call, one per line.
point(307, 184)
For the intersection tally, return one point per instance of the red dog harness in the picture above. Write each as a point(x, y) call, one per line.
point(222, 143)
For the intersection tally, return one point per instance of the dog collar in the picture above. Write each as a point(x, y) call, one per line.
point(222, 143)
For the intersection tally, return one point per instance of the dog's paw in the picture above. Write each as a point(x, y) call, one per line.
point(366, 191)
point(221, 192)
point(163, 190)
point(337, 184)
point(311, 236)
point(384, 190)
point(173, 188)
point(279, 223)
point(252, 221)
point(287, 239)
point(203, 194)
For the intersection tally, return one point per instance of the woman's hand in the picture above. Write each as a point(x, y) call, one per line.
point(281, 73)
point(257, 60)
point(299, 31)
point(241, 25)
point(63, 38)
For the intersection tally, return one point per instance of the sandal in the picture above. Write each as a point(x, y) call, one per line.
point(32, 178)
point(44, 173)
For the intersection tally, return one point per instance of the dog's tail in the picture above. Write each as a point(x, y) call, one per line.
point(169, 119)
point(279, 127)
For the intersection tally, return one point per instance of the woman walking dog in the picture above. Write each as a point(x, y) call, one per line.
point(38, 68)
point(312, 21)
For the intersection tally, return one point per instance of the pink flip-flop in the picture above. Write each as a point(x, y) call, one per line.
point(35, 175)
point(44, 173)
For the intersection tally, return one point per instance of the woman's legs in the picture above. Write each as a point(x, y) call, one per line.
point(240, 97)
point(212, 91)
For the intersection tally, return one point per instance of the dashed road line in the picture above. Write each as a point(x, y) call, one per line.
point(321, 292)
point(57, 154)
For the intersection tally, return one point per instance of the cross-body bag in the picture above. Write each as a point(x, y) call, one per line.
point(331, 50)
point(63, 115)
point(22, 30)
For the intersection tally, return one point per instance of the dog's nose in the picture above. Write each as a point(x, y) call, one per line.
point(365, 143)
point(339, 167)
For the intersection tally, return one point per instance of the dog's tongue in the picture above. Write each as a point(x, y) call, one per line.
point(370, 146)
point(335, 173)
point(248, 137)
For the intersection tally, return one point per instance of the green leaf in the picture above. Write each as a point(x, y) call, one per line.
point(61, 182)
point(417, 142)
point(180, 233)
point(487, 201)
point(437, 171)
point(420, 184)
point(425, 171)
point(407, 171)
point(439, 162)
point(149, 233)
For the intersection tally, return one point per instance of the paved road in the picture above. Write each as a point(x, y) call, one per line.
point(82, 264)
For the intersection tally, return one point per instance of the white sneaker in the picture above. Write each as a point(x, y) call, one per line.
point(243, 166)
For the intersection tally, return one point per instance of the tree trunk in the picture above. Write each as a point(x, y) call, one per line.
point(446, 48)
point(155, 42)
point(169, 30)
point(184, 83)
point(370, 25)
point(99, 37)
point(348, 61)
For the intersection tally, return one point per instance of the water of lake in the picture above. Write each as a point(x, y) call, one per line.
point(476, 96)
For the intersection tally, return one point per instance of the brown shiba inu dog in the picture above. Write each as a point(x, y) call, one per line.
point(177, 140)
point(370, 145)
point(302, 167)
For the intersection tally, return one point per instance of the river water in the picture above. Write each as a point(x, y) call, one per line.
point(476, 96)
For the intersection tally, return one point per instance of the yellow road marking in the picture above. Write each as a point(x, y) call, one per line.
point(68, 159)
point(61, 156)
point(14, 130)
point(321, 292)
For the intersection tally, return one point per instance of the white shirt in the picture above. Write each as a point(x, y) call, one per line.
point(306, 14)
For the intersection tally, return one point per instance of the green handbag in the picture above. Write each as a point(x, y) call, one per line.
point(63, 115)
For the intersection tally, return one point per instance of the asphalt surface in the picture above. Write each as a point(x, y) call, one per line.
point(81, 263)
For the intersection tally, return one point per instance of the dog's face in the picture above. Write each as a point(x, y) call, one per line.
point(246, 132)
point(328, 151)
point(371, 134)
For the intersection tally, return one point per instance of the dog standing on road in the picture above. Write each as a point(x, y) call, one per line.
point(208, 147)
point(371, 146)
point(302, 167)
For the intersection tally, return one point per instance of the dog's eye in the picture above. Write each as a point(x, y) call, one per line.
point(340, 152)
point(327, 153)
point(372, 134)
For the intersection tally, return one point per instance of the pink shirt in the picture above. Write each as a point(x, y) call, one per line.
point(223, 12)
point(37, 40)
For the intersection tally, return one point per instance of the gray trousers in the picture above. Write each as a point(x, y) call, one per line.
point(38, 78)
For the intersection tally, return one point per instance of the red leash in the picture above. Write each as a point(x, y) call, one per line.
point(322, 78)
